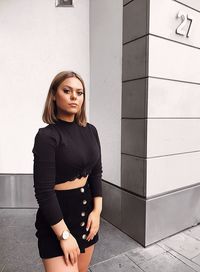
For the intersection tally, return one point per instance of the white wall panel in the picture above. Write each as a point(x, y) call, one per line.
point(172, 172)
point(106, 85)
point(165, 12)
point(175, 99)
point(195, 4)
point(173, 106)
point(37, 41)
point(172, 136)
point(171, 60)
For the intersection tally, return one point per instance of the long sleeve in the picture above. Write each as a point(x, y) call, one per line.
point(44, 172)
point(95, 177)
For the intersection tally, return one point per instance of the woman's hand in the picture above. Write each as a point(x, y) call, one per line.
point(93, 224)
point(70, 249)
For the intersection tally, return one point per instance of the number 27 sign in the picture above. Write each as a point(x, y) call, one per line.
point(182, 29)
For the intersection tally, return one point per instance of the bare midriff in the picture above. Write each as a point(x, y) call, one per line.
point(72, 184)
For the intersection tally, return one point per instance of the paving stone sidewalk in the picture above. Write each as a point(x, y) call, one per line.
point(115, 252)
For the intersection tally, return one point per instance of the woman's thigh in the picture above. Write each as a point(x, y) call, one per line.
point(58, 264)
point(85, 258)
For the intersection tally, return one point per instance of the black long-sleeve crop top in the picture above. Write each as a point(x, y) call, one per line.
point(62, 152)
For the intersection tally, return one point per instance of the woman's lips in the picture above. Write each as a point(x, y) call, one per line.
point(73, 105)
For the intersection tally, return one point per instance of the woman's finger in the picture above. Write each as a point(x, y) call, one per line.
point(67, 258)
point(91, 229)
point(89, 222)
point(72, 258)
point(75, 256)
point(92, 233)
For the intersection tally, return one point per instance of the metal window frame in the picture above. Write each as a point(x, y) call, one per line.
point(62, 3)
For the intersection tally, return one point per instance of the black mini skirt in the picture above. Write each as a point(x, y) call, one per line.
point(76, 204)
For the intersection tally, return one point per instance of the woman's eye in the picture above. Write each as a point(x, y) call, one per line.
point(65, 90)
point(69, 91)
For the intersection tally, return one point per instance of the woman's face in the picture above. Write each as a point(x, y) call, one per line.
point(68, 92)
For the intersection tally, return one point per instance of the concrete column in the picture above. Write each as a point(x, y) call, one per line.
point(160, 128)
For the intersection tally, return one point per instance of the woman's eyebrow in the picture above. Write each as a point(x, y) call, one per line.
point(72, 88)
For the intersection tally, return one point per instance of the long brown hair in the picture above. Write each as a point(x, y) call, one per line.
point(49, 115)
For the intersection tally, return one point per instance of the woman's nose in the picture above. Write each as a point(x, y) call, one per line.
point(74, 94)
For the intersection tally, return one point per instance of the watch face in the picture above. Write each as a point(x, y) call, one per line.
point(65, 234)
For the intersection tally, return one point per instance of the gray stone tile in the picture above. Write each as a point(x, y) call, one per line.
point(24, 268)
point(135, 14)
point(1, 210)
point(163, 246)
point(190, 263)
point(17, 236)
point(6, 218)
point(114, 252)
point(196, 259)
point(2, 266)
point(119, 263)
point(132, 174)
point(134, 137)
point(112, 198)
point(183, 244)
point(20, 234)
point(193, 232)
point(166, 263)
point(134, 95)
point(14, 252)
point(19, 217)
point(133, 216)
point(112, 242)
point(140, 254)
point(176, 207)
point(134, 59)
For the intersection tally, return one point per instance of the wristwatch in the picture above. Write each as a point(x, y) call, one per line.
point(65, 235)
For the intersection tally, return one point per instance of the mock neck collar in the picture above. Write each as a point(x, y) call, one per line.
point(61, 121)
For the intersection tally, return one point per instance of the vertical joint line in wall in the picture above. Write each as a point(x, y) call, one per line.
point(121, 98)
point(146, 111)
point(146, 90)
point(147, 37)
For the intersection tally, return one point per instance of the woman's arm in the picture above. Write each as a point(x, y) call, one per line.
point(93, 222)
point(95, 177)
point(95, 181)
point(98, 204)
point(59, 228)
point(44, 179)
point(44, 175)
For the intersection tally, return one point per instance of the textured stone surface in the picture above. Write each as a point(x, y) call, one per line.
point(140, 254)
point(183, 244)
point(114, 252)
point(165, 262)
point(119, 263)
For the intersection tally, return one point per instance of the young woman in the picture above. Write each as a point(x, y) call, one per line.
point(67, 172)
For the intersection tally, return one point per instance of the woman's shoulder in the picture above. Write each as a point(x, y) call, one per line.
point(47, 132)
point(48, 129)
point(91, 126)
point(94, 130)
